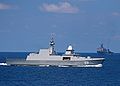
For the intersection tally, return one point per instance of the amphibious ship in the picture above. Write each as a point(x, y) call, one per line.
point(49, 57)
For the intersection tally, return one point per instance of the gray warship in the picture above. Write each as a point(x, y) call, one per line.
point(103, 50)
point(49, 57)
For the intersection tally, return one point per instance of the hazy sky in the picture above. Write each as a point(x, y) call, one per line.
point(26, 25)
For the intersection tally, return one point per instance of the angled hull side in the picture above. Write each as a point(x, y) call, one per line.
point(80, 63)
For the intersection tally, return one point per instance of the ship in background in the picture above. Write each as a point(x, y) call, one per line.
point(49, 57)
point(103, 50)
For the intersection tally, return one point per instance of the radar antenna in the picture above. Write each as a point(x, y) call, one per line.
point(52, 45)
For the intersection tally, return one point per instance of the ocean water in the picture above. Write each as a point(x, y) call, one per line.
point(108, 75)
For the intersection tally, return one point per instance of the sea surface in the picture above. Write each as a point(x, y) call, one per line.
point(108, 75)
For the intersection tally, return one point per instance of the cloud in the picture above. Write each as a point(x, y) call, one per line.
point(5, 6)
point(63, 7)
point(116, 14)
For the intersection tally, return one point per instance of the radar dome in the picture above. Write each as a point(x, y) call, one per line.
point(70, 47)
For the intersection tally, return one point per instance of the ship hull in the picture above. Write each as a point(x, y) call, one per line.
point(80, 63)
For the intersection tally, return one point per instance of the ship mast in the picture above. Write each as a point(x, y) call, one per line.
point(52, 46)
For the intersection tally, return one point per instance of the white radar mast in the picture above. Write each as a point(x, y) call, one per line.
point(52, 45)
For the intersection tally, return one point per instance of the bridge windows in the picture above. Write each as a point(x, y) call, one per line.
point(66, 58)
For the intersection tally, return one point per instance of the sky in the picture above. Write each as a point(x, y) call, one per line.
point(27, 25)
